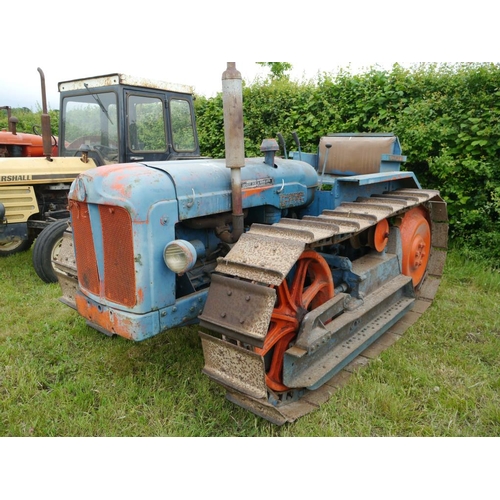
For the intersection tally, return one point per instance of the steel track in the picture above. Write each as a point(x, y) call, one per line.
point(262, 257)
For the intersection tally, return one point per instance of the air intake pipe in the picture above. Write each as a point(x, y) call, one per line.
point(232, 101)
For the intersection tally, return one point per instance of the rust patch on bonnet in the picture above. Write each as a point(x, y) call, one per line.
point(247, 193)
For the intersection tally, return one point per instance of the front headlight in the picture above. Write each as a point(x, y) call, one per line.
point(181, 255)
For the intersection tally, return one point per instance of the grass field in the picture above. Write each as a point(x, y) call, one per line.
point(59, 377)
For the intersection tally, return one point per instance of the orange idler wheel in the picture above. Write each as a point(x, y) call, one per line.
point(379, 235)
point(310, 285)
point(416, 241)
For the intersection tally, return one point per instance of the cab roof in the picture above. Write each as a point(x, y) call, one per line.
point(122, 79)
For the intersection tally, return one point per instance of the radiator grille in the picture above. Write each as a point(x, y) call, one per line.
point(119, 263)
point(86, 262)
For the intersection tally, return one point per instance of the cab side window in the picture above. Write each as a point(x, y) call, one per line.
point(146, 124)
point(181, 119)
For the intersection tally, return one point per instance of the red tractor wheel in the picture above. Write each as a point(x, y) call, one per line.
point(416, 241)
point(309, 285)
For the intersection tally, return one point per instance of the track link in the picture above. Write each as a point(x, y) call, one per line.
point(242, 297)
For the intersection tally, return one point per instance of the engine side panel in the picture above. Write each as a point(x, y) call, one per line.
point(203, 187)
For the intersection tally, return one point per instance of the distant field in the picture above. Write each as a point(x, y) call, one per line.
point(59, 377)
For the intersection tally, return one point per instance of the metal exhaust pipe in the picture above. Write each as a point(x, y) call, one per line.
point(46, 131)
point(232, 101)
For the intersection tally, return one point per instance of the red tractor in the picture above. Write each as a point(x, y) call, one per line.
point(14, 144)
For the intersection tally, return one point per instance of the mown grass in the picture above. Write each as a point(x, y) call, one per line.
point(59, 377)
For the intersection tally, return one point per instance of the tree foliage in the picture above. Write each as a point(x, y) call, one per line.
point(29, 121)
point(278, 69)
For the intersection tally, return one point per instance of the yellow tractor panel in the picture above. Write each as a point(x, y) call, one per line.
point(19, 201)
point(22, 171)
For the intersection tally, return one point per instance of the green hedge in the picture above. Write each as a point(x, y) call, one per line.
point(446, 116)
point(29, 121)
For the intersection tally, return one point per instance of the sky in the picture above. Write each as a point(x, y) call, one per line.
point(168, 42)
point(23, 88)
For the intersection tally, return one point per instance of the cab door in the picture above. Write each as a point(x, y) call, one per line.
point(146, 129)
point(159, 126)
point(183, 138)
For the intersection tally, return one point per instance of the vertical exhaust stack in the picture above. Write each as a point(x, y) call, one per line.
point(46, 131)
point(232, 100)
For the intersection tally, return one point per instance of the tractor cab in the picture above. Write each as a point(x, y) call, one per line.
point(117, 118)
